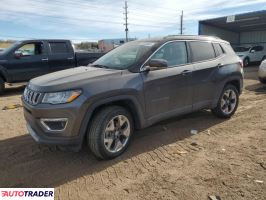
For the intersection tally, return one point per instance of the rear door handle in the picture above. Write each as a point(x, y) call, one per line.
point(220, 65)
point(70, 58)
point(186, 72)
point(45, 59)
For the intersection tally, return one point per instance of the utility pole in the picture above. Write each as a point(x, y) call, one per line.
point(181, 23)
point(126, 19)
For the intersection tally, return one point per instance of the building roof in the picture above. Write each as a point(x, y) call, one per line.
point(252, 21)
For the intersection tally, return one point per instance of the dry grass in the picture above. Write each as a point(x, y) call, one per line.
point(5, 44)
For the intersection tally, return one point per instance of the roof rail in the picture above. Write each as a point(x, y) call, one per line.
point(193, 35)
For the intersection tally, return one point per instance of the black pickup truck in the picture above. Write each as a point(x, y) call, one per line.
point(28, 59)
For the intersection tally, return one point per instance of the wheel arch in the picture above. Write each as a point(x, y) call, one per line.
point(236, 83)
point(128, 102)
point(3, 74)
point(235, 80)
point(247, 57)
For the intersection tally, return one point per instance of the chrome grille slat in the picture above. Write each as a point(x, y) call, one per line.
point(31, 96)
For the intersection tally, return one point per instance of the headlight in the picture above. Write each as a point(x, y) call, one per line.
point(61, 97)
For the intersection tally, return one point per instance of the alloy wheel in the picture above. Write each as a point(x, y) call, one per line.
point(117, 133)
point(228, 101)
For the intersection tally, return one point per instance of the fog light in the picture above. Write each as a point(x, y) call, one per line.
point(54, 124)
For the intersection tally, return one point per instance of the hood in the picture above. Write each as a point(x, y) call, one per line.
point(2, 55)
point(242, 54)
point(73, 78)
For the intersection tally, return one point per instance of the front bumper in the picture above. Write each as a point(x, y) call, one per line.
point(70, 136)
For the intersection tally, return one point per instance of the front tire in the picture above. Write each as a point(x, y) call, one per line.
point(2, 86)
point(228, 102)
point(110, 132)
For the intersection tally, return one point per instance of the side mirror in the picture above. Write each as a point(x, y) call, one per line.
point(156, 64)
point(252, 51)
point(18, 55)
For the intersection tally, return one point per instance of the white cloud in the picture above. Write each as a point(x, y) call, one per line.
point(106, 16)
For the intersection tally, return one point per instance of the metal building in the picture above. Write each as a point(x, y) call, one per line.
point(109, 44)
point(241, 29)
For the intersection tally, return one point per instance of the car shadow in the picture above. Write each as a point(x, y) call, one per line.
point(251, 72)
point(258, 88)
point(24, 163)
point(12, 91)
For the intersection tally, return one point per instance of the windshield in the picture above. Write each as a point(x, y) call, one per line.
point(241, 49)
point(124, 56)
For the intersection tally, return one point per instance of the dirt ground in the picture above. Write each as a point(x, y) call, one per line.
point(226, 158)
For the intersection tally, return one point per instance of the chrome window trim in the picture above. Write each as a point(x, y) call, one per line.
point(142, 68)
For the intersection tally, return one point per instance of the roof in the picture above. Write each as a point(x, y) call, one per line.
point(251, 21)
point(52, 40)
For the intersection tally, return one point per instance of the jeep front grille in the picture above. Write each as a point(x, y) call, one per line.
point(31, 96)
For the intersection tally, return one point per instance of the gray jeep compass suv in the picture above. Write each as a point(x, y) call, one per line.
point(132, 87)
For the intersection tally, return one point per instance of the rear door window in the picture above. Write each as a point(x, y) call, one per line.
point(58, 48)
point(201, 51)
point(175, 53)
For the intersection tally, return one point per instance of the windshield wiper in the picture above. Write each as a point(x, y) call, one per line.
point(99, 66)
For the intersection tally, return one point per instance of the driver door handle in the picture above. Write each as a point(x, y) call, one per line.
point(186, 72)
point(220, 65)
point(44, 59)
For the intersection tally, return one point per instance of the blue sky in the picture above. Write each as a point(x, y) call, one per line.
point(91, 20)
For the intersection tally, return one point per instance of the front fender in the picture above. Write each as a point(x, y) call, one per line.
point(91, 107)
point(4, 74)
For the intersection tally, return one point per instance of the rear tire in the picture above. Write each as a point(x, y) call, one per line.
point(228, 102)
point(110, 132)
point(262, 80)
point(2, 86)
point(246, 62)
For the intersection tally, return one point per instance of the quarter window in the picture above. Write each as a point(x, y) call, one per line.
point(202, 51)
point(218, 49)
point(58, 47)
point(175, 53)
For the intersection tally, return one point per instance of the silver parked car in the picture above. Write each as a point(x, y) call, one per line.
point(262, 72)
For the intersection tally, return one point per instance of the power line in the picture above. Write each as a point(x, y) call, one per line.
point(62, 20)
point(86, 6)
point(73, 20)
point(161, 8)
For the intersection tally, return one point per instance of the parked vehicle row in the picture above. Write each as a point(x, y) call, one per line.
point(28, 59)
point(132, 87)
point(251, 54)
